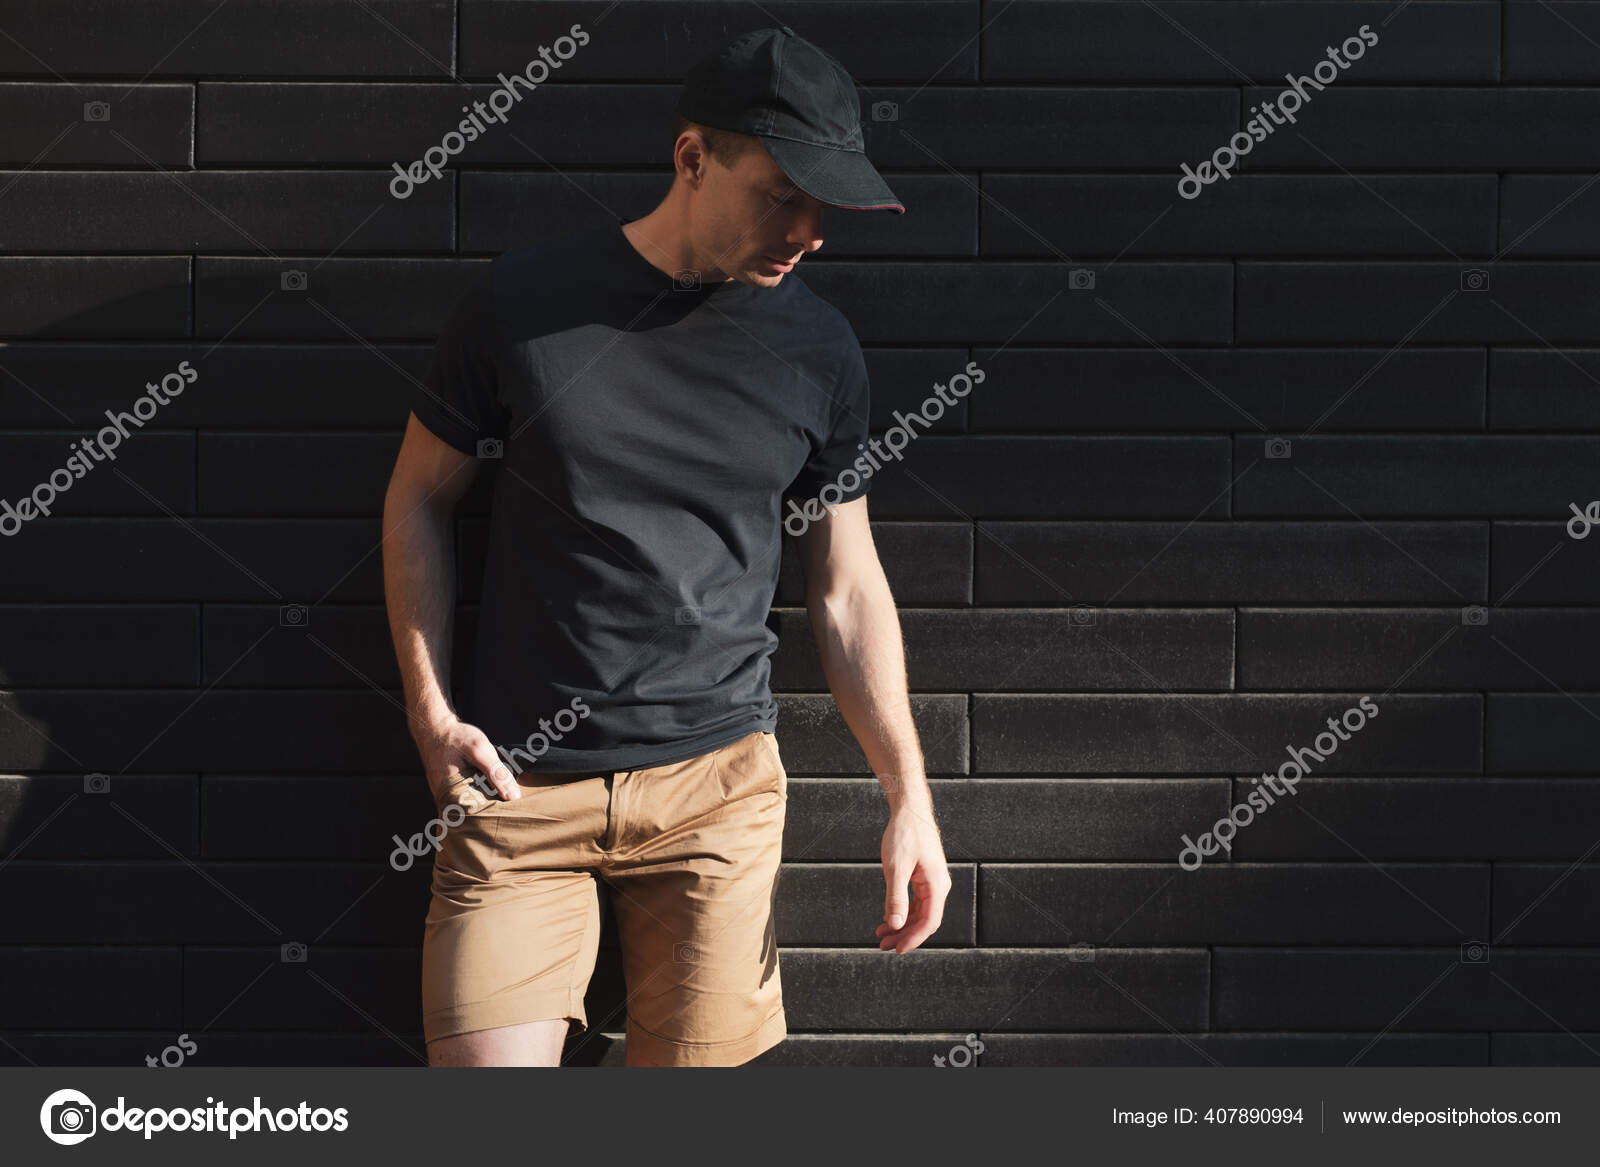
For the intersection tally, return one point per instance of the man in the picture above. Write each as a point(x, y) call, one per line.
point(653, 389)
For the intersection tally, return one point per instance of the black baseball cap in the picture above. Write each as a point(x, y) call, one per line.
point(801, 103)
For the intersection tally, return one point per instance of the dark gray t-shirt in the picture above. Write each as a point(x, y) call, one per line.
point(649, 434)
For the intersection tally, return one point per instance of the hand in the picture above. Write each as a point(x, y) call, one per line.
point(912, 855)
point(453, 751)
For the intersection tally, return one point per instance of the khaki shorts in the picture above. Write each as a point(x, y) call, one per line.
point(689, 852)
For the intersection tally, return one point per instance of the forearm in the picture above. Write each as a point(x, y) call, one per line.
point(419, 590)
point(858, 638)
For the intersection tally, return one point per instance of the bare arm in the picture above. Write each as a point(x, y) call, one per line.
point(419, 584)
point(857, 631)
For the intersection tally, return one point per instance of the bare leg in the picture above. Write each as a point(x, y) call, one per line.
point(536, 1043)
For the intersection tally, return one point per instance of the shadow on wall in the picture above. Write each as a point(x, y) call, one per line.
point(204, 764)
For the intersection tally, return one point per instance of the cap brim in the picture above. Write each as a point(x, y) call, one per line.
point(839, 178)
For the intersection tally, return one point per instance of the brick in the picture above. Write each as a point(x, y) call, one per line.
point(50, 816)
point(295, 473)
point(90, 987)
point(874, 40)
point(336, 989)
point(1023, 303)
point(161, 730)
point(94, 296)
point(1049, 648)
point(1417, 648)
point(1430, 128)
point(1498, 476)
point(343, 299)
point(375, 124)
point(181, 903)
point(1199, 390)
point(1048, 40)
point(1546, 214)
point(1235, 1049)
point(160, 560)
point(1541, 563)
point(1027, 477)
point(1420, 303)
point(1048, 127)
point(1239, 561)
point(1536, 389)
point(1251, 214)
point(1231, 903)
point(221, 210)
point(1535, 734)
point(151, 473)
point(996, 989)
point(262, 816)
point(1404, 989)
point(1545, 903)
point(242, 386)
point(1199, 732)
point(1545, 1049)
point(46, 124)
point(279, 38)
point(99, 645)
point(1547, 42)
point(1468, 818)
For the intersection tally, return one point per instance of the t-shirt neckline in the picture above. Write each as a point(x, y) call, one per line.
point(663, 282)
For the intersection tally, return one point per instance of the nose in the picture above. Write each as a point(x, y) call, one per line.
point(806, 231)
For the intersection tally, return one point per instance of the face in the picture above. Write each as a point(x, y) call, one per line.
point(748, 220)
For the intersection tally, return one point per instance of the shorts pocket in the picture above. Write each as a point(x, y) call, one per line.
point(471, 796)
point(771, 740)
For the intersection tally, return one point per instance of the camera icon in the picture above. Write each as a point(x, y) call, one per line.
point(1277, 448)
point(1475, 615)
point(687, 615)
point(1082, 952)
point(1474, 279)
point(1080, 279)
point(292, 953)
point(293, 615)
point(1082, 615)
point(685, 952)
point(97, 783)
point(292, 281)
point(1474, 952)
point(686, 280)
point(491, 448)
point(73, 1119)
point(97, 111)
point(885, 111)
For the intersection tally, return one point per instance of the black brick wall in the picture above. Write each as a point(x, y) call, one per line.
point(1117, 606)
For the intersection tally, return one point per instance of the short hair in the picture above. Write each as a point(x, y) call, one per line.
point(726, 146)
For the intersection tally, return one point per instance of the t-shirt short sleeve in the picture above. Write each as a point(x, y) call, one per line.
point(834, 461)
point(459, 400)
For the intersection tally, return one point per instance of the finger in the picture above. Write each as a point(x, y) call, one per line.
point(897, 898)
point(489, 764)
point(924, 921)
